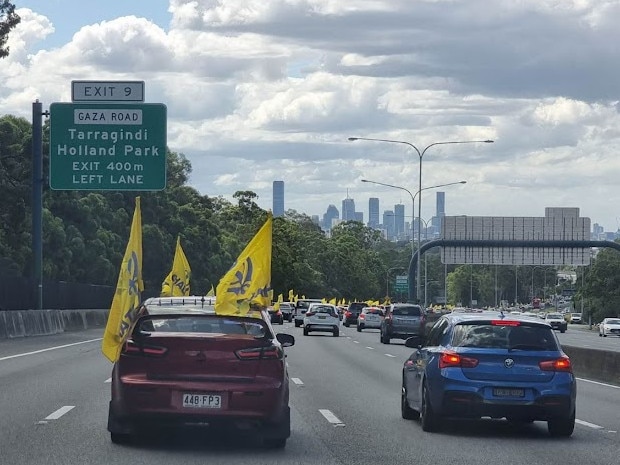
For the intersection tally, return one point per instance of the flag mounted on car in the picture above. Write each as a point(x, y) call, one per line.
point(126, 300)
point(248, 282)
point(177, 281)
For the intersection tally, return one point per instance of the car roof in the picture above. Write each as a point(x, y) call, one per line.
point(491, 315)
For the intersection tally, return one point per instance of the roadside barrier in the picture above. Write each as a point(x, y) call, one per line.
point(23, 323)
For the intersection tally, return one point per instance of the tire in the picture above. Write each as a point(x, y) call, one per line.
point(405, 411)
point(306, 331)
point(599, 334)
point(428, 418)
point(562, 331)
point(297, 324)
point(336, 332)
point(347, 324)
point(120, 438)
point(561, 427)
point(385, 339)
point(282, 321)
point(274, 443)
point(359, 329)
point(604, 335)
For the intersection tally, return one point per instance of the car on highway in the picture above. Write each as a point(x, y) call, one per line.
point(322, 317)
point(609, 327)
point(371, 317)
point(301, 306)
point(401, 321)
point(184, 365)
point(287, 309)
point(276, 315)
point(575, 318)
point(352, 313)
point(556, 321)
point(489, 365)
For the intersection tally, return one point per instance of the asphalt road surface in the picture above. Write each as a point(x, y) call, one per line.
point(344, 409)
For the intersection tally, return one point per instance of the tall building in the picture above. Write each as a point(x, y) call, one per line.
point(359, 217)
point(373, 212)
point(328, 218)
point(278, 198)
point(348, 209)
point(388, 224)
point(399, 221)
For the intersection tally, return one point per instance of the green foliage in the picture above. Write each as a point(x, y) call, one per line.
point(8, 20)
point(600, 286)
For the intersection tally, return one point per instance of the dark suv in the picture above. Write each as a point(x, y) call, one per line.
point(402, 321)
point(352, 313)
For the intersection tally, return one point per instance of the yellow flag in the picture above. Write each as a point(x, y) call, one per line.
point(249, 279)
point(126, 301)
point(291, 296)
point(211, 292)
point(280, 300)
point(177, 281)
point(333, 301)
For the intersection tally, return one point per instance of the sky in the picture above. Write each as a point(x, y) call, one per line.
point(258, 91)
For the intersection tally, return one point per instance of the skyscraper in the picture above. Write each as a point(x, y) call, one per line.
point(399, 220)
point(278, 198)
point(440, 212)
point(348, 209)
point(330, 215)
point(373, 212)
point(388, 223)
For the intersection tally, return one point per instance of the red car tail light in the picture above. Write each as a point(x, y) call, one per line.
point(257, 353)
point(559, 364)
point(452, 359)
point(309, 313)
point(505, 323)
point(133, 348)
point(348, 314)
point(362, 316)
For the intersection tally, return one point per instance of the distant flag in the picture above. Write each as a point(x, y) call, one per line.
point(279, 301)
point(211, 292)
point(126, 300)
point(333, 301)
point(323, 300)
point(249, 279)
point(177, 281)
point(291, 296)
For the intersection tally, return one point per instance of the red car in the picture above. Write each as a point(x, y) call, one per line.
point(183, 365)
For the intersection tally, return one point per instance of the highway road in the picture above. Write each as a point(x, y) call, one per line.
point(344, 402)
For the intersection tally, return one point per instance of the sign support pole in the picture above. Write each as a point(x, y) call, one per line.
point(37, 199)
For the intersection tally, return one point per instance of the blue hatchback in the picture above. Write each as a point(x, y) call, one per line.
point(488, 364)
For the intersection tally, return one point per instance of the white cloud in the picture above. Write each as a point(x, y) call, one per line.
point(261, 90)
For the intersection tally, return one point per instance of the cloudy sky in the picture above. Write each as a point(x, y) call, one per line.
point(261, 90)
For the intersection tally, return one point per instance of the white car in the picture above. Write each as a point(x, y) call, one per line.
point(322, 317)
point(609, 326)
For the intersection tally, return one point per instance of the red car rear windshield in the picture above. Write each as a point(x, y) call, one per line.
point(202, 324)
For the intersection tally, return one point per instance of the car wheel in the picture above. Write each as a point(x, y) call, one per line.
point(604, 335)
point(297, 324)
point(346, 324)
point(599, 334)
point(359, 329)
point(562, 331)
point(405, 411)
point(385, 339)
point(282, 321)
point(306, 331)
point(336, 332)
point(428, 418)
point(561, 427)
point(120, 438)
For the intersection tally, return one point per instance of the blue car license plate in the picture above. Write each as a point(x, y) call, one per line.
point(508, 392)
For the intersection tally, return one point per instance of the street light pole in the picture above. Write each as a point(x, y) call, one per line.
point(420, 156)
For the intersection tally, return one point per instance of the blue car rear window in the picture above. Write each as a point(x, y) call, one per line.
point(486, 335)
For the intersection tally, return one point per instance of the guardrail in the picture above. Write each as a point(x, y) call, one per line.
point(22, 323)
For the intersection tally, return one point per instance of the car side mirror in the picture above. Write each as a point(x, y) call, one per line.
point(285, 339)
point(414, 342)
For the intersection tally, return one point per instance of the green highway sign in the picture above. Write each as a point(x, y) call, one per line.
point(106, 146)
point(402, 283)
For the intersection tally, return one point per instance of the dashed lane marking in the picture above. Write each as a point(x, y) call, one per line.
point(109, 380)
point(390, 355)
point(60, 412)
point(297, 381)
point(589, 425)
point(329, 416)
point(371, 348)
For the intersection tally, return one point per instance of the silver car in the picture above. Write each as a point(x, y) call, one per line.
point(609, 326)
point(371, 317)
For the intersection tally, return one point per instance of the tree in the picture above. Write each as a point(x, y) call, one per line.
point(8, 20)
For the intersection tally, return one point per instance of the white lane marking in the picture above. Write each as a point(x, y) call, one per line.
point(357, 342)
point(109, 380)
point(371, 348)
point(390, 355)
point(60, 412)
point(49, 348)
point(598, 382)
point(589, 425)
point(297, 381)
point(329, 416)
